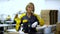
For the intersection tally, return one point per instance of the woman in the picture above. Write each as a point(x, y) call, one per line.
point(8, 18)
point(29, 20)
point(15, 18)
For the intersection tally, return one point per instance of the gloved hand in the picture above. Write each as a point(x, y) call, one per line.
point(21, 27)
point(34, 24)
point(20, 31)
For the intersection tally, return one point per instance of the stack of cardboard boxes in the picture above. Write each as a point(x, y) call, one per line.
point(50, 16)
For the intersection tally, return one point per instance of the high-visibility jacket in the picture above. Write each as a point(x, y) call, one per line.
point(28, 21)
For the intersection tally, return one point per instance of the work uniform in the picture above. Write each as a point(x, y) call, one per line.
point(27, 23)
point(16, 20)
point(8, 18)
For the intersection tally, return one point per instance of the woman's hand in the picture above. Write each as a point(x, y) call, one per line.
point(34, 24)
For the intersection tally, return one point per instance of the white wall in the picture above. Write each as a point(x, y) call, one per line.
point(52, 4)
point(13, 6)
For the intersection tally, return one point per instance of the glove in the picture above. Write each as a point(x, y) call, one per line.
point(20, 31)
point(21, 27)
point(34, 24)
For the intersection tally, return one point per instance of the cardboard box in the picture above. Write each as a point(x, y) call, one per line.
point(58, 28)
point(45, 16)
point(50, 17)
point(57, 31)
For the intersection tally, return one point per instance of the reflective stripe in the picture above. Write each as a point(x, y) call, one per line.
point(25, 21)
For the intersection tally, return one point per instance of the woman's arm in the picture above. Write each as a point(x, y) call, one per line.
point(40, 20)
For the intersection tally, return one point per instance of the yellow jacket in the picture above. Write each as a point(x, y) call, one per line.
point(18, 21)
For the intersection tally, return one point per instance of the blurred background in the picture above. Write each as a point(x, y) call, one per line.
point(49, 10)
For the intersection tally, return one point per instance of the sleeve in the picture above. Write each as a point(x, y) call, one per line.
point(18, 21)
point(40, 20)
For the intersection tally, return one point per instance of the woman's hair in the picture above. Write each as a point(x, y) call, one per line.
point(32, 5)
point(16, 15)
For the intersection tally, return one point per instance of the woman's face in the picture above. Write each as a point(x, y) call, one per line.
point(30, 8)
